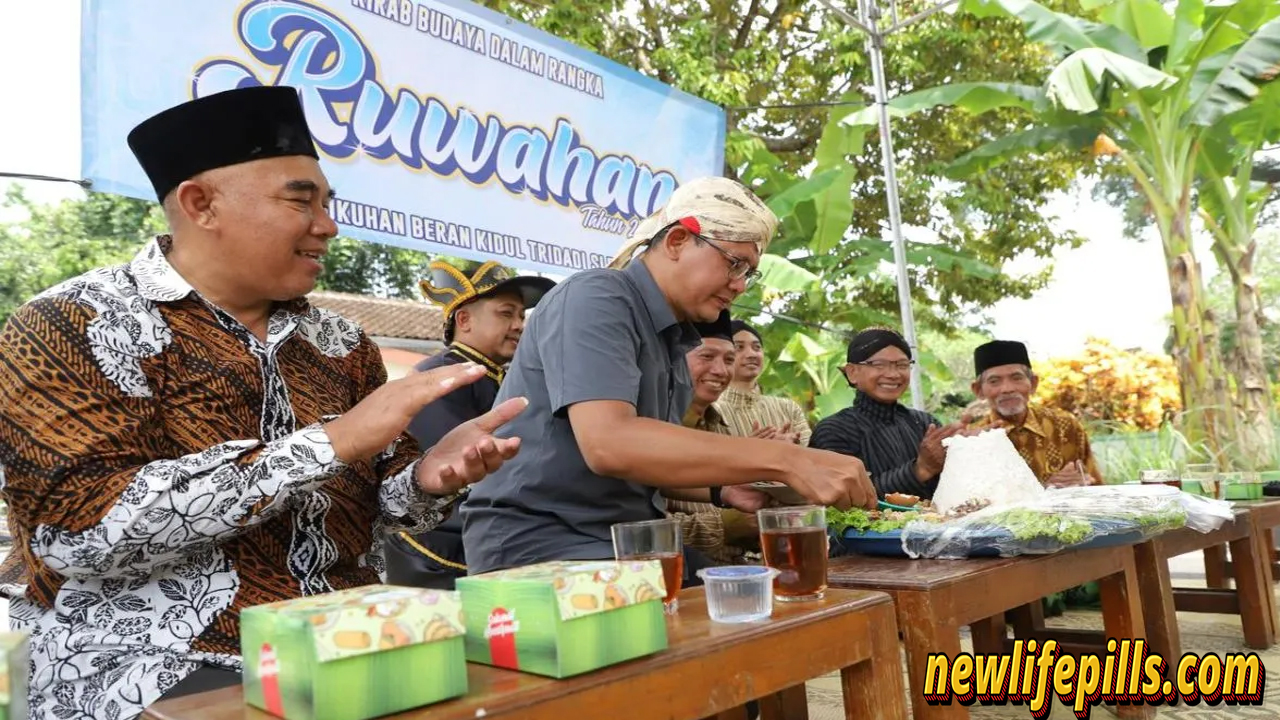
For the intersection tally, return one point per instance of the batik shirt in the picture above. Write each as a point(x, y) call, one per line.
point(165, 469)
point(1049, 440)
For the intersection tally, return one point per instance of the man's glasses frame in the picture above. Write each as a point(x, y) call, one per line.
point(739, 269)
point(883, 365)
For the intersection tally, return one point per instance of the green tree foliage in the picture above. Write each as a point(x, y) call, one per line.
point(57, 242)
point(1182, 94)
point(60, 241)
point(748, 53)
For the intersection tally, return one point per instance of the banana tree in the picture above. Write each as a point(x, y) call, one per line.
point(1230, 201)
point(1143, 86)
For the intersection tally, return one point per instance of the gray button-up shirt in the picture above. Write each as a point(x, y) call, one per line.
point(599, 335)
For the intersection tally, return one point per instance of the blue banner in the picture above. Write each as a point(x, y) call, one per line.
point(443, 126)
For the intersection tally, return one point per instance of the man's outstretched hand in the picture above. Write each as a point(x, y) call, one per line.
point(469, 452)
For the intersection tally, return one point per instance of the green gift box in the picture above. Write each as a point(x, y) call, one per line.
point(564, 618)
point(14, 669)
point(353, 654)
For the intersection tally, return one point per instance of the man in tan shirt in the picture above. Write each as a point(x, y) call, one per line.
point(750, 413)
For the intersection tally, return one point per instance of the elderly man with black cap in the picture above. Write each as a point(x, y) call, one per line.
point(603, 365)
point(901, 447)
point(484, 316)
point(1053, 442)
point(184, 436)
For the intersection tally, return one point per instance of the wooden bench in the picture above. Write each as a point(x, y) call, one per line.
point(1252, 599)
point(1218, 570)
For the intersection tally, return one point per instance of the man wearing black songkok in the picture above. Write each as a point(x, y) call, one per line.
point(901, 447)
point(184, 436)
point(1053, 442)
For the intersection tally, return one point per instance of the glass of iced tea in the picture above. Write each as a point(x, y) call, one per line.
point(794, 541)
point(654, 540)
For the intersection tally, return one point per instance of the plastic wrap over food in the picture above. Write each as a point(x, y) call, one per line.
point(1064, 518)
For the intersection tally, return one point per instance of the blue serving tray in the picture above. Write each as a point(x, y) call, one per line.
point(985, 544)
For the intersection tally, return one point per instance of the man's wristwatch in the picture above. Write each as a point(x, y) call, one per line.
point(716, 500)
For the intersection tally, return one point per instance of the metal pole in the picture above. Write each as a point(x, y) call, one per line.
point(918, 17)
point(866, 21)
point(875, 48)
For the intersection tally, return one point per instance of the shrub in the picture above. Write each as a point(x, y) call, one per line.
point(1107, 385)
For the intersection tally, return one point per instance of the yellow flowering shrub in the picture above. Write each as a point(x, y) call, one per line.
point(1105, 383)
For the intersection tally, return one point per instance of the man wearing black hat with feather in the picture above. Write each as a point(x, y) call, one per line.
point(483, 319)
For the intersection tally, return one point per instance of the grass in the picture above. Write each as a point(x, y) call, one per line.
point(1123, 452)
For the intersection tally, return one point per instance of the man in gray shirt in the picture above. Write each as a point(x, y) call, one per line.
point(602, 364)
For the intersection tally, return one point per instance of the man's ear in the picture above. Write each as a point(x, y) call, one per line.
point(461, 320)
point(850, 374)
point(674, 242)
point(193, 201)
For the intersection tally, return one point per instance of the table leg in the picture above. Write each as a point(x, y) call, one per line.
point(926, 630)
point(1122, 618)
point(871, 686)
point(1262, 548)
point(1155, 590)
point(1215, 566)
point(789, 704)
point(1027, 620)
point(989, 635)
point(738, 713)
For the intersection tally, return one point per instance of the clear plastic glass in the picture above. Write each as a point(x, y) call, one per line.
point(794, 542)
point(654, 540)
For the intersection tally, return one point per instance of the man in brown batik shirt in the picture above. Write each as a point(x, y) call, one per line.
point(184, 436)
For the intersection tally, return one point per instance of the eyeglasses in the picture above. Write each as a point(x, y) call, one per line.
point(883, 365)
point(739, 269)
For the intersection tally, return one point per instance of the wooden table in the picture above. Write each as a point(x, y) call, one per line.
point(1252, 599)
point(709, 670)
point(1266, 517)
point(934, 598)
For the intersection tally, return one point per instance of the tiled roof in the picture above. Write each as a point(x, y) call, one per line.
point(385, 317)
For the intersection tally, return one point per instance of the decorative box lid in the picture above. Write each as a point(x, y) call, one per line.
point(373, 618)
point(587, 587)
